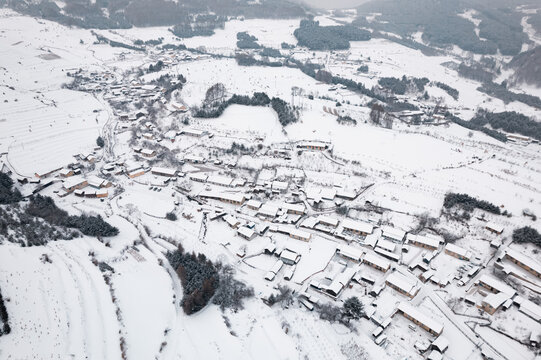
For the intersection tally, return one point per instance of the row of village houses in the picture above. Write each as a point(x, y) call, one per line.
point(79, 186)
point(384, 246)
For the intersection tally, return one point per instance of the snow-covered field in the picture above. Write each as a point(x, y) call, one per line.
point(73, 306)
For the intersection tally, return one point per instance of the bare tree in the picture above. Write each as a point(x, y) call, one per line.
point(216, 93)
point(376, 113)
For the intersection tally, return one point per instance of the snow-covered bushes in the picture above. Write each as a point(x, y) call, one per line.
point(469, 203)
point(231, 292)
point(8, 195)
point(527, 235)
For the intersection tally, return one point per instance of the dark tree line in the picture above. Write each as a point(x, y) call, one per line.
point(509, 121)
point(527, 235)
point(45, 208)
point(216, 109)
point(501, 92)
point(113, 43)
point(249, 60)
point(469, 203)
point(475, 72)
point(8, 194)
point(475, 126)
point(315, 37)
point(448, 89)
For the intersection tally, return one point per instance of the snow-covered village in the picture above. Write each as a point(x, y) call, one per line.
point(270, 180)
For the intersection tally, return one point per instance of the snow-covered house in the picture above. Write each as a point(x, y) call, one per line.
point(416, 316)
point(458, 252)
point(357, 227)
point(376, 262)
point(402, 284)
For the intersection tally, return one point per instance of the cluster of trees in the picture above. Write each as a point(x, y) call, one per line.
point(509, 121)
point(156, 67)
point(449, 90)
point(171, 216)
point(270, 52)
point(100, 142)
point(198, 25)
point(247, 41)
point(352, 309)
point(346, 120)
point(286, 114)
point(363, 69)
point(400, 86)
point(316, 37)
point(501, 92)
point(199, 278)
point(527, 234)
point(237, 148)
point(469, 203)
point(474, 126)
point(202, 281)
point(44, 207)
point(284, 296)
point(287, 46)
point(8, 194)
